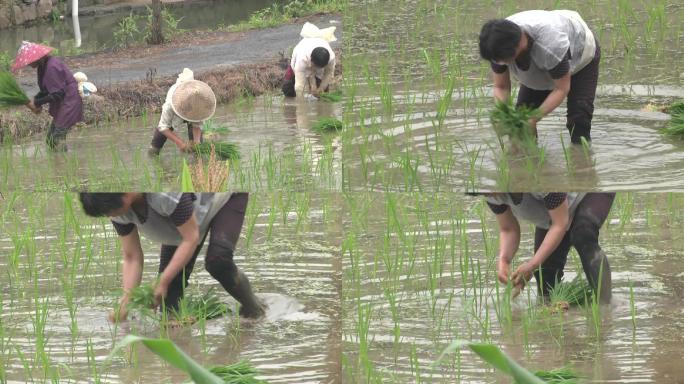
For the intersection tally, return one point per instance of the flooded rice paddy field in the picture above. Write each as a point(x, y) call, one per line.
point(420, 272)
point(418, 118)
point(61, 276)
point(274, 136)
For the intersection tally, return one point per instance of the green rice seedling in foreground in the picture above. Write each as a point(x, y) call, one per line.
point(11, 93)
point(676, 126)
point(240, 373)
point(563, 375)
point(327, 124)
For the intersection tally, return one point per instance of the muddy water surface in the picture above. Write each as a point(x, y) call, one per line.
point(421, 274)
point(289, 248)
point(277, 145)
point(413, 59)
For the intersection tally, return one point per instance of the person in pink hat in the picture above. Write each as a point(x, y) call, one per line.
point(58, 88)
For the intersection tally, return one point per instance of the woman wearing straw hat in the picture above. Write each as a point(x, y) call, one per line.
point(561, 220)
point(181, 223)
point(57, 88)
point(312, 63)
point(554, 55)
point(188, 104)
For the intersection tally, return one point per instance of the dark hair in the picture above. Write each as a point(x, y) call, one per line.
point(100, 204)
point(499, 39)
point(320, 57)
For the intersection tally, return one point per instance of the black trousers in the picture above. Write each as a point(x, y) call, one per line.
point(583, 234)
point(225, 230)
point(55, 135)
point(158, 139)
point(580, 112)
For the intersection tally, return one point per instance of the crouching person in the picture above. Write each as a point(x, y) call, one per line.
point(312, 65)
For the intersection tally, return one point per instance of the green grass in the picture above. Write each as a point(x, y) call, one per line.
point(11, 93)
point(327, 124)
point(278, 13)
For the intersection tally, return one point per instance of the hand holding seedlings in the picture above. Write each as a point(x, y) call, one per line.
point(34, 108)
point(522, 274)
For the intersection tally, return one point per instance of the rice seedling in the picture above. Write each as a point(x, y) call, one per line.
point(193, 308)
point(212, 127)
point(327, 124)
point(566, 294)
point(225, 151)
point(239, 373)
point(11, 93)
point(676, 108)
point(675, 127)
point(509, 120)
point(331, 97)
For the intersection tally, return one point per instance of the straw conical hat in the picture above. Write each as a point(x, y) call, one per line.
point(28, 53)
point(193, 101)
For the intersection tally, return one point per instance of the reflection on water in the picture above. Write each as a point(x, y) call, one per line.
point(422, 274)
point(420, 120)
point(289, 248)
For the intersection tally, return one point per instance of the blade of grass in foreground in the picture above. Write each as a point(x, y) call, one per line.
point(173, 355)
point(497, 358)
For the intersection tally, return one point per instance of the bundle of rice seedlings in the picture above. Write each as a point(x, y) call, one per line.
point(11, 93)
point(238, 373)
point(141, 296)
point(563, 375)
point(331, 97)
point(676, 108)
point(566, 294)
point(676, 125)
point(225, 151)
point(513, 122)
point(192, 308)
point(327, 124)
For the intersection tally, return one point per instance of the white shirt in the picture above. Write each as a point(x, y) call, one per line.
point(305, 70)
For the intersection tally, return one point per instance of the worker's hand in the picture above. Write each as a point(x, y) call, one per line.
point(523, 274)
point(185, 147)
point(316, 93)
point(120, 313)
point(504, 270)
point(34, 108)
point(160, 292)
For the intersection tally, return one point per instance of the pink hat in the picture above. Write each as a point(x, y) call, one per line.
point(28, 53)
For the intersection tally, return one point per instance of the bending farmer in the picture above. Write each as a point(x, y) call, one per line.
point(188, 104)
point(561, 220)
point(180, 222)
point(554, 55)
point(312, 63)
point(57, 88)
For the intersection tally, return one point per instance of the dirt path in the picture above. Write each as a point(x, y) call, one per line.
point(201, 51)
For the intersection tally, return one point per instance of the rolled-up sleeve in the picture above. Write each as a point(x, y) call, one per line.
point(166, 119)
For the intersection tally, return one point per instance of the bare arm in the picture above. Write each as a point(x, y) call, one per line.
point(502, 86)
point(560, 216)
point(509, 240)
point(556, 97)
point(171, 135)
point(132, 271)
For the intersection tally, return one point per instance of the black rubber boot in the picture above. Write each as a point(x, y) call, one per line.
point(250, 306)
